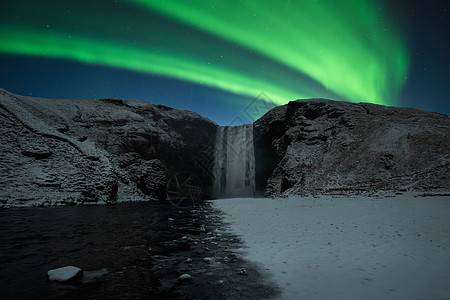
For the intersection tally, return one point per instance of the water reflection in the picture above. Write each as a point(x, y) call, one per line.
point(117, 237)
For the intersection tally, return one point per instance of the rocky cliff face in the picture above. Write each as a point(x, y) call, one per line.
point(107, 150)
point(94, 151)
point(320, 146)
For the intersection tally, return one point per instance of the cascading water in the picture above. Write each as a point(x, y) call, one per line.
point(234, 162)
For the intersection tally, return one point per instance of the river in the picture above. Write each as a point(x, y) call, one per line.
point(128, 251)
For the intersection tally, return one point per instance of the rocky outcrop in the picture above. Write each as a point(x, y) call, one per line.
point(321, 146)
point(96, 151)
point(62, 152)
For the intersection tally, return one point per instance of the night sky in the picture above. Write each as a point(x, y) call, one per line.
point(230, 60)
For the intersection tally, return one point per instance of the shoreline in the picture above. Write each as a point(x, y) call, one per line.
point(378, 195)
point(145, 248)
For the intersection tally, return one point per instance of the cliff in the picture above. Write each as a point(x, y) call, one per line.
point(97, 151)
point(319, 146)
point(68, 152)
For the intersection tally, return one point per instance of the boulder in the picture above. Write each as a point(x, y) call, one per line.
point(185, 277)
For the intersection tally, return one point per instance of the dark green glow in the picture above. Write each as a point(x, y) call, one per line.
point(306, 48)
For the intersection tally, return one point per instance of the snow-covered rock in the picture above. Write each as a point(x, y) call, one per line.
point(208, 260)
point(68, 152)
point(65, 152)
point(65, 274)
point(242, 271)
point(185, 277)
point(319, 146)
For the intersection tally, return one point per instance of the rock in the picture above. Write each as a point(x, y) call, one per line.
point(185, 277)
point(318, 146)
point(242, 271)
point(208, 260)
point(37, 153)
point(66, 152)
point(69, 152)
point(68, 274)
point(153, 179)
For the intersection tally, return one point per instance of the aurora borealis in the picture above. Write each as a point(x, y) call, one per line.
point(216, 54)
point(354, 58)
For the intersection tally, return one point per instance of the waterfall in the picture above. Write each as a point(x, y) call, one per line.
point(234, 162)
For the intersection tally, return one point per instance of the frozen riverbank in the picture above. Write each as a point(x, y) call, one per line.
point(348, 248)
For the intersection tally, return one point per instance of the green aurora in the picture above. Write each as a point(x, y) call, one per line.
point(288, 49)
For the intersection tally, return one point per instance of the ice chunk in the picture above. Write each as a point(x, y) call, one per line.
point(65, 274)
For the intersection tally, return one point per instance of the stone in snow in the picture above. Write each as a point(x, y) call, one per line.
point(242, 271)
point(65, 274)
point(185, 277)
point(208, 260)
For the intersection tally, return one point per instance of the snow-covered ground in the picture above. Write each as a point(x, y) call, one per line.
point(348, 248)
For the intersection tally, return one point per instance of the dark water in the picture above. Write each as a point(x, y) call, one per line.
point(142, 249)
point(117, 238)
